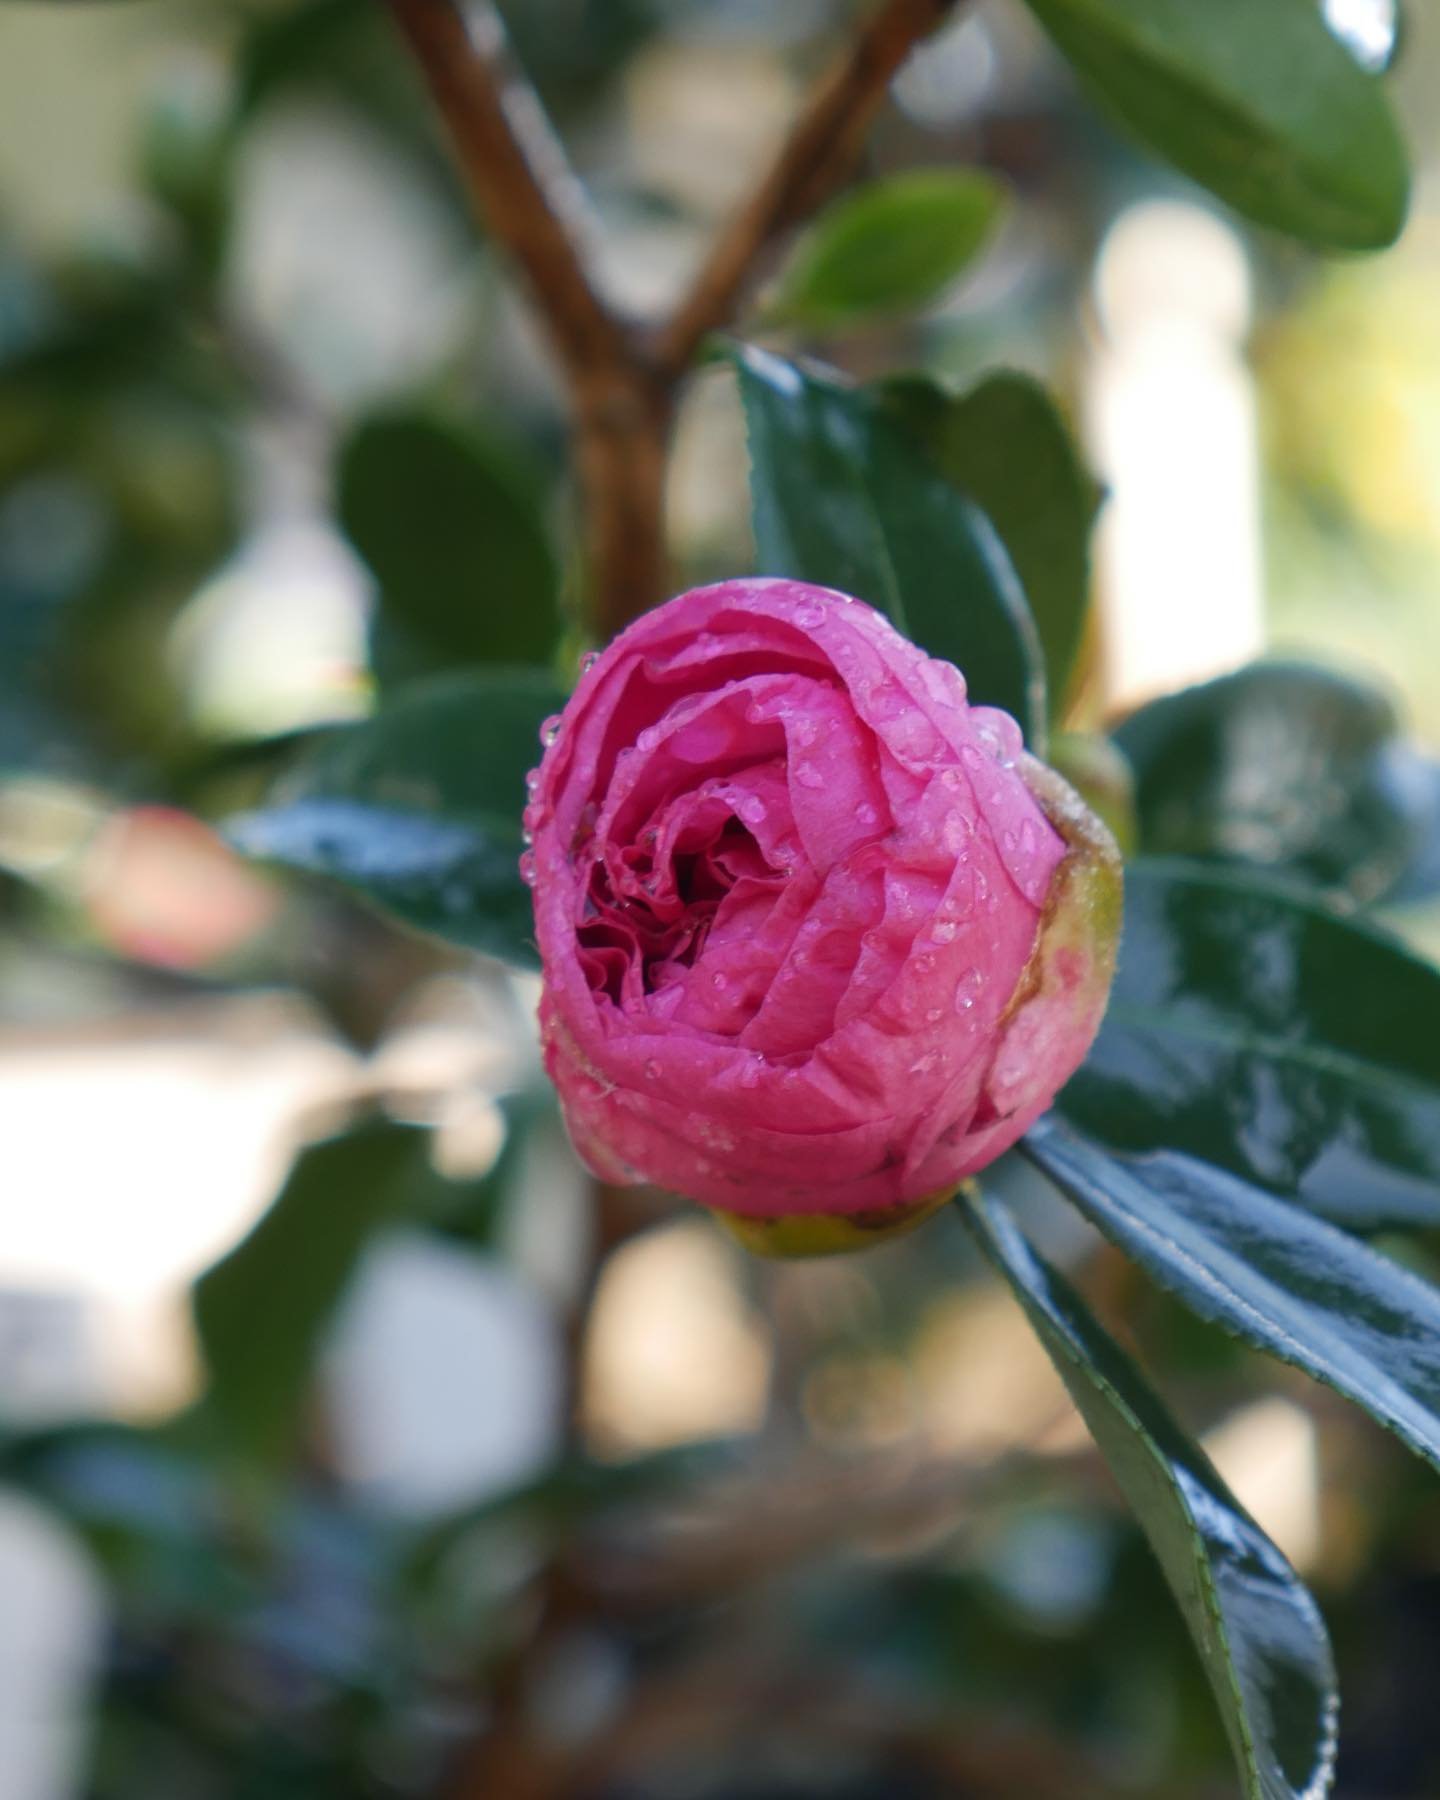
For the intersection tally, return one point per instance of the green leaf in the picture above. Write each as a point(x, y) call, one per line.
point(452, 530)
point(1282, 765)
point(843, 499)
point(892, 246)
point(261, 1312)
point(1260, 1636)
point(418, 809)
point(1257, 102)
point(1260, 1031)
point(1294, 1286)
point(1007, 447)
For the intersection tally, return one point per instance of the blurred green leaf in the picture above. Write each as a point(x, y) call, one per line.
point(1257, 102)
point(1006, 445)
point(893, 245)
point(418, 809)
point(1259, 1633)
point(261, 1311)
point(843, 499)
point(1283, 765)
point(1289, 1284)
point(1264, 1033)
point(452, 529)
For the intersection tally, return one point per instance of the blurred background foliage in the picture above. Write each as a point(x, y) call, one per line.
point(277, 436)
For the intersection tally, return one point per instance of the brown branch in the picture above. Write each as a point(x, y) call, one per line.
point(516, 171)
point(815, 158)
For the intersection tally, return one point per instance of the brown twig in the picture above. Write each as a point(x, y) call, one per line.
point(516, 170)
point(814, 159)
point(623, 388)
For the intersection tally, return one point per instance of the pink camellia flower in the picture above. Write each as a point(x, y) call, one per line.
point(818, 938)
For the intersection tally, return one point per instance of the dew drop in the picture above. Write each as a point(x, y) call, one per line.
point(647, 739)
point(750, 1070)
point(924, 963)
point(532, 782)
point(934, 1016)
point(809, 614)
point(754, 810)
point(943, 931)
point(719, 982)
point(588, 661)
point(550, 730)
point(527, 868)
point(967, 990)
point(808, 775)
point(867, 815)
point(652, 1070)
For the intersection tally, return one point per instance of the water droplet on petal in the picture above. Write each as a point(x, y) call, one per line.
point(652, 1070)
point(750, 1070)
point(943, 931)
point(934, 1016)
point(588, 661)
point(647, 739)
point(808, 775)
point(809, 614)
point(754, 810)
point(550, 730)
point(527, 868)
point(867, 815)
point(719, 982)
point(967, 990)
point(532, 781)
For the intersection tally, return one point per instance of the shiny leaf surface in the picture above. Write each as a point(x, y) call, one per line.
point(895, 244)
point(1005, 445)
point(1289, 1284)
point(1282, 765)
point(451, 527)
point(1258, 1632)
point(418, 809)
point(1260, 104)
point(843, 498)
point(1262, 1032)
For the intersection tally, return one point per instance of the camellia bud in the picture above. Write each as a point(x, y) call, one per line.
point(819, 939)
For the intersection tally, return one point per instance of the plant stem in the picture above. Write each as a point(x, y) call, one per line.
point(815, 158)
point(623, 384)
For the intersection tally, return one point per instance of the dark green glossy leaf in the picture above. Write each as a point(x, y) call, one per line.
point(1294, 1286)
point(451, 527)
point(896, 244)
point(418, 809)
point(1005, 445)
point(1259, 103)
point(844, 499)
point(1260, 1031)
point(1283, 765)
point(261, 1312)
point(1259, 1633)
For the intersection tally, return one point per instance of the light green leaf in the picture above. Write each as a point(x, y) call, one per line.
point(892, 246)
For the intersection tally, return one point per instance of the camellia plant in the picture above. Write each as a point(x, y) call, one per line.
point(815, 879)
